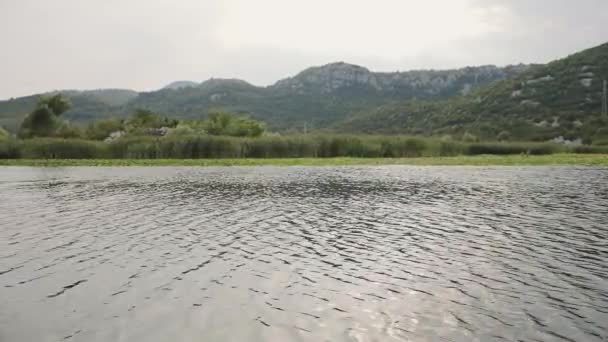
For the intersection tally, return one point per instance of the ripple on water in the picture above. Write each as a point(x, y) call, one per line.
point(279, 254)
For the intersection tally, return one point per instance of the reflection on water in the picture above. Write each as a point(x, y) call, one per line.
point(304, 254)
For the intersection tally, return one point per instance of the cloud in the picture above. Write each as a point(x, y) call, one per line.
point(539, 31)
point(144, 44)
point(387, 28)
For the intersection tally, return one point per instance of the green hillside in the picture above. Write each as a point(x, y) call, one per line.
point(87, 105)
point(562, 98)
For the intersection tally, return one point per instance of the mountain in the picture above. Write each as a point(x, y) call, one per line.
point(319, 96)
point(330, 78)
point(192, 102)
point(562, 98)
point(180, 85)
point(537, 102)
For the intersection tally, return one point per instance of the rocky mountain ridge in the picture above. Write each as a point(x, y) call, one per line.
point(425, 83)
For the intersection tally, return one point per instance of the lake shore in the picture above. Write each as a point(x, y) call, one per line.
point(482, 160)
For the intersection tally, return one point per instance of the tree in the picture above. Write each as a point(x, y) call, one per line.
point(220, 123)
point(102, 129)
point(68, 131)
point(39, 123)
point(143, 120)
point(57, 103)
point(244, 127)
point(217, 123)
point(43, 121)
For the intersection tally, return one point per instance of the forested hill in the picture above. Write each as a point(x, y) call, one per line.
point(87, 105)
point(562, 98)
point(318, 96)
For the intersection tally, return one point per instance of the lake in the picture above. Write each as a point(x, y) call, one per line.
point(390, 253)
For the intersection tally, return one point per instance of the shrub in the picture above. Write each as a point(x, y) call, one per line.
point(39, 123)
point(9, 149)
point(397, 148)
point(503, 136)
point(468, 137)
point(103, 128)
point(69, 131)
point(590, 149)
point(50, 148)
point(120, 148)
point(194, 146)
point(4, 135)
point(220, 123)
point(450, 148)
point(44, 120)
point(601, 142)
point(505, 149)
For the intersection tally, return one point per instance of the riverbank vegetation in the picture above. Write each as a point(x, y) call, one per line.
point(146, 135)
point(310, 146)
point(483, 160)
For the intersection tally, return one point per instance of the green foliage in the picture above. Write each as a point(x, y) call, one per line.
point(600, 142)
point(143, 120)
point(69, 131)
point(58, 104)
point(244, 127)
point(503, 136)
point(9, 149)
point(100, 130)
point(51, 148)
point(468, 137)
point(87, 106)
point(132, 147)
point(4, 134)
point(506, 149)
point(293, 146)
point(525, 106)
point(42, 122)
point(185, 128)
point(410, 147)
point(220, 123)
point(450, 148)
point(591, 149)
point(483, 160)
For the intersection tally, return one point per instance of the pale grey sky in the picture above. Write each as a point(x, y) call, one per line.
point(146, 44)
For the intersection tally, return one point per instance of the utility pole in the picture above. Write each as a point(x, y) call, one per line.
point(605, 100)
point(305, 127)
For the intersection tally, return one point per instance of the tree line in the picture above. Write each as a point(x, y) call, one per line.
point(45, 121)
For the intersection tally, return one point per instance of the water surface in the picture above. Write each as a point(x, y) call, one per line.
point(304, 254)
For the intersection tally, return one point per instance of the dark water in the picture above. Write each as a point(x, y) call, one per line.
point(304, 254)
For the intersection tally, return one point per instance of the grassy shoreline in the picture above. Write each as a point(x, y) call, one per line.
point(481, 160)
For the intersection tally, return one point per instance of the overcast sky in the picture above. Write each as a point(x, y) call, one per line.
point(145, 44)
